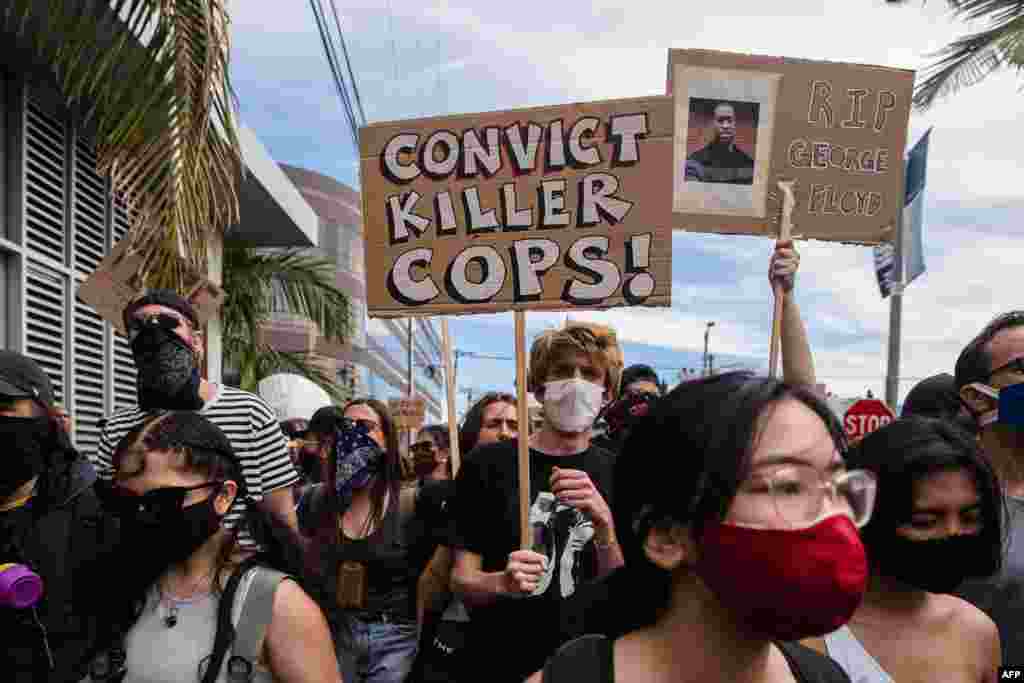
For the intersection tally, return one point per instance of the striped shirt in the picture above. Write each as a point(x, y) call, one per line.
point(250, 425)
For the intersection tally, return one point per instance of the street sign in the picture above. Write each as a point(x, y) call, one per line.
point(864, 417)
point(408, 413)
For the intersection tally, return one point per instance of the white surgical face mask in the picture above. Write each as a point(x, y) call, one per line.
point(572, 404)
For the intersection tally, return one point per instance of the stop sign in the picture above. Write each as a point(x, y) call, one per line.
point(864, 417)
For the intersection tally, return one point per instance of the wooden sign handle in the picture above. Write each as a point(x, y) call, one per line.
point(785, 232)
point(450, 389)
point(525, 533)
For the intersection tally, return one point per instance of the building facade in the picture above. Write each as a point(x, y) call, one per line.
point(376, 363)
point(59, 218)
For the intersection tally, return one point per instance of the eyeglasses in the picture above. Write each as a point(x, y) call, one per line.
point(165, 321)
point(368, 425)
point(152, 506)
point(796, 495)
point(423, 447)
point(1016, 365)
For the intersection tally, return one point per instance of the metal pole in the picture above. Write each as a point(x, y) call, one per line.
point(412, 390)
point(704, 370)
point(892, 380)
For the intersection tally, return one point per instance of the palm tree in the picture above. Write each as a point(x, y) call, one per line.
point(156, 93)
point(258, 283)
point(970, 59)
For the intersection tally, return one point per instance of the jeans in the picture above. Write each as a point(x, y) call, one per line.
point(376, 651)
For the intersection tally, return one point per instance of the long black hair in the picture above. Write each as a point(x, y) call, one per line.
point(683, 464)
point(904, 452)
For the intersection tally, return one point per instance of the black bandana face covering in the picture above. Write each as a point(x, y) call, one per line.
point(168, 377)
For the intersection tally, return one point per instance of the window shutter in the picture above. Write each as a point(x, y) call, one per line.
point(90, 211)
point(45, 186)
point(46, 294)
point(124, 366)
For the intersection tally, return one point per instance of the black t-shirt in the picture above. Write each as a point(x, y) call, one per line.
point(718, 163)
point(432, 524)
point(486, 512)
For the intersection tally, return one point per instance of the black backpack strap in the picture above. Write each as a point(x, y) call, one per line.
point(810, 666)
point(225, 636)
point(588, 659)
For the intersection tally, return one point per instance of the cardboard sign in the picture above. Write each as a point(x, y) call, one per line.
point(117, 282)
point(744, 122)
point(550, 208)
point(114, 284)
point(408, 413)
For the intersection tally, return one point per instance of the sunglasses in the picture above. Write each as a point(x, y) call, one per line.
point(422, 447)
point(164, 321)
point(153, 506)
point(368, 425)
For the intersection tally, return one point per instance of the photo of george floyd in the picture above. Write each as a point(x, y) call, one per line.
point(721, 141)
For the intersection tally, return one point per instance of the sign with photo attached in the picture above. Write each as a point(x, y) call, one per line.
point(552, 208)
point(745, 122)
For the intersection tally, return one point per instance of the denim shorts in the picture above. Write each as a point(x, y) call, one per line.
point(378, 651)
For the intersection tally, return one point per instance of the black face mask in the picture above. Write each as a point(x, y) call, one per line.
point(938, 565)
point(174, 535)
point(27, 441)
point(168, 378)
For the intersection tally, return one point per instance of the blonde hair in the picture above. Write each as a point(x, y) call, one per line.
point(599, 342)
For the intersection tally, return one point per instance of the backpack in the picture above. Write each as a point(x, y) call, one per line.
point(591, 659)
point(243, 642)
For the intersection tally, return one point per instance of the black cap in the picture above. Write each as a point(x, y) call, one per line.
point(21, 377)
point(935, 396)
point(638, 372)
point(162, 297)
point(325, 420)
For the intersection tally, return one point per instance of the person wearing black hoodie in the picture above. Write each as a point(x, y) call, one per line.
point(51, 528)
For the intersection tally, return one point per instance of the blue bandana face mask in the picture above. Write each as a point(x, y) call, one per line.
point(1010, 408)
point(359, 460)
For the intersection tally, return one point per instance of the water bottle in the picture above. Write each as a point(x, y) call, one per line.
point(20, 587)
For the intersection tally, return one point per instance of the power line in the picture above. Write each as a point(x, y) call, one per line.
point(332, 61)
point(348, 64)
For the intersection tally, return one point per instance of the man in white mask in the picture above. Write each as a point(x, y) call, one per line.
point(573, 373)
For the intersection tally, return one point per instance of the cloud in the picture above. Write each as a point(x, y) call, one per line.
point(535, 52)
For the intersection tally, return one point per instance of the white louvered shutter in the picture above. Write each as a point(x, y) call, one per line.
point(88, 370)
point(45, 186)
point(124, 367)
point(46, 294)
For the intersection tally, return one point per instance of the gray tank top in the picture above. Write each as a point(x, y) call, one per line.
point(847, 651)
point(158, 654)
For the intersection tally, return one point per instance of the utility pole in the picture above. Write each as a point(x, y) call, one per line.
point(707, 358)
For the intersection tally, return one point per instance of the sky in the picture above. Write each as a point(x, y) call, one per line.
point(420, 59)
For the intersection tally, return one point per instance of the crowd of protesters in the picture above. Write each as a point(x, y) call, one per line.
point(723, 530)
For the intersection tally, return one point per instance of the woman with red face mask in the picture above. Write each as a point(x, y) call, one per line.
point(937, 523)
point(738, 521)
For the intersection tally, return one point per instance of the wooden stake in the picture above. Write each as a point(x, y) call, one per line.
point(450, 386)
point(525, 533)
point(785, 231)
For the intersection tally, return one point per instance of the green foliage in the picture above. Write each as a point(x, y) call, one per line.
point(299, 284)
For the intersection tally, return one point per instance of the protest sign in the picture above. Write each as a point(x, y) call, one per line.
point(743, 123)
point(548, 208)
point(117, 281)
point(408, 413)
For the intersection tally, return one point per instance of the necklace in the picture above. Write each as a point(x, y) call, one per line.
point(171, 603)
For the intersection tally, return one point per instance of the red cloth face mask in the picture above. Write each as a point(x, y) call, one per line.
point(786, 584)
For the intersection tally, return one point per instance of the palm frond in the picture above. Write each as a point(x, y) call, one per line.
point(304, 284)
point(969, 60)
point(163, 114)
point(257, 361)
